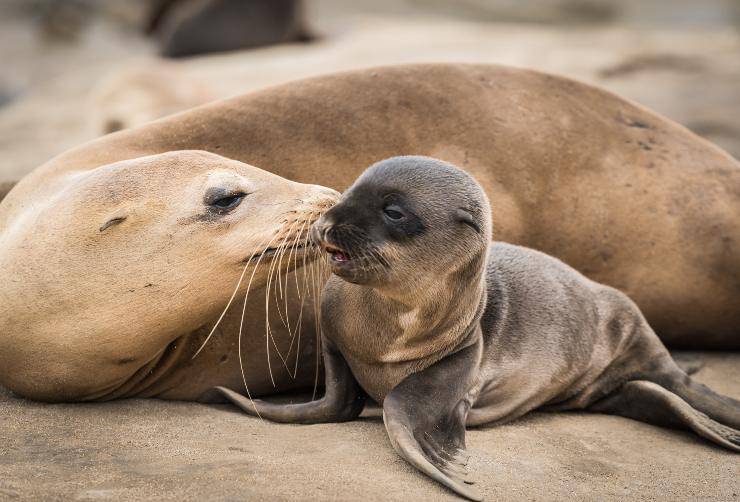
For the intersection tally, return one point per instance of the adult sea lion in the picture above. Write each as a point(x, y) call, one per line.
point(626, 197)
point(137, 255)
point(444, 329)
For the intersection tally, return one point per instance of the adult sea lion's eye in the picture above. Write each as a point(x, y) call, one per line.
point(229, 201)
point(393, 212)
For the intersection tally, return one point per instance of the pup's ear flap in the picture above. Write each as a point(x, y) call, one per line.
point(464, 217)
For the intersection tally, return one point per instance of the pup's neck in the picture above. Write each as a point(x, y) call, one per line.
point(437, 315)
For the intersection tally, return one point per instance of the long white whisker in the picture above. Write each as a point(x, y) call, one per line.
point(231, 299)
point(285, 320)
point(304, 294)
point(244, 310)
point(317, 323)
point(293, 254)
point(268, 329)
point(290, 257)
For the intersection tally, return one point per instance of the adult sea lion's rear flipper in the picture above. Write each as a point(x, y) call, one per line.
point(425, 418)
point(652, 403)
point(343, 400)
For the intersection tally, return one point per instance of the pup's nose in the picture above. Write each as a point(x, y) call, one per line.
point(320, 229)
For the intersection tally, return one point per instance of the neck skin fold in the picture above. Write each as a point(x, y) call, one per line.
point(437, 315)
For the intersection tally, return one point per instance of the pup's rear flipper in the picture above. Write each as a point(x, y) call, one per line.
point(651, 403)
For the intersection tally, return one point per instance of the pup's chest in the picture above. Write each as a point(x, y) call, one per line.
point(378, 379)
point(379, 359)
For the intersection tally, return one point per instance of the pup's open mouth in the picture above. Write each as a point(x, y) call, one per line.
point(336, 255)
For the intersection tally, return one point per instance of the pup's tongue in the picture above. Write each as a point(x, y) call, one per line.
point(339, 256)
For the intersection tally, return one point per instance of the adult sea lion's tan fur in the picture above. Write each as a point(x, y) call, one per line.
point(111, 279)
point(629, 198)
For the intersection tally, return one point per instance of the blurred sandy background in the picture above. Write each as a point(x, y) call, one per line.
point(73, 69)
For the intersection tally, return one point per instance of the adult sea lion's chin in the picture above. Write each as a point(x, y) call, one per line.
point(126, 258)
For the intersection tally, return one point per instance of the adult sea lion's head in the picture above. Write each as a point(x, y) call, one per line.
point(150, 244)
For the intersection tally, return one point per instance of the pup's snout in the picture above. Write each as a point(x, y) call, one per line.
point(319, 231)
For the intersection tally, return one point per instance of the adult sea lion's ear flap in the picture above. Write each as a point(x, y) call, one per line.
point(425, 419)
point(465, 217)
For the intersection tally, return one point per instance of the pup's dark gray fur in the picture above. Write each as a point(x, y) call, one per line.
point(444, 329)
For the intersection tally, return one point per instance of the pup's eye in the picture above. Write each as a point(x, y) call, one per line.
point(229, 202)
point(393, 212)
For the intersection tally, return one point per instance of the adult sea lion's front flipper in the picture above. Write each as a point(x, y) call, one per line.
point(425, 418)
point(343, 400)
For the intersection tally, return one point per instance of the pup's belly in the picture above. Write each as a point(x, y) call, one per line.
point(507, 390)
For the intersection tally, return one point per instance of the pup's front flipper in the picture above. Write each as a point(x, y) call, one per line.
point(425, 419)
point(344, 398)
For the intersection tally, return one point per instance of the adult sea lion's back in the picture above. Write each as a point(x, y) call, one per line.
point(627, 197)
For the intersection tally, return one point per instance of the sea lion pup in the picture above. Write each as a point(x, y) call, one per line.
point(427, 317)
point(133, 263)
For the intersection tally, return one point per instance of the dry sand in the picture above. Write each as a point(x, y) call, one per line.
point(157, 450)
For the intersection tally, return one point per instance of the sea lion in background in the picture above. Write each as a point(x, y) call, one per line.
point(190, 27)
point(144, 93)
point(113, 278)
point(656, 69)
point(444, 329)
point(626, 197)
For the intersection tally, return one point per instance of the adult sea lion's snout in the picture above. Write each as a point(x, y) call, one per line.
point(293, 231)
point(149, 248)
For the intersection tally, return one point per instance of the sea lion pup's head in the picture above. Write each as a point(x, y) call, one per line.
point(150, 245)
point(405, 219)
